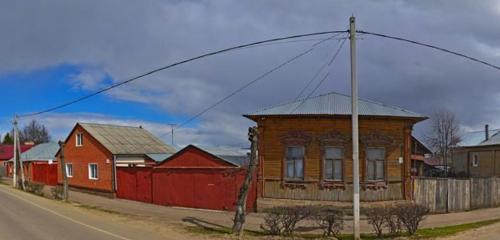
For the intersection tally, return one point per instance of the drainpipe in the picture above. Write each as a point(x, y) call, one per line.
point(115, 185)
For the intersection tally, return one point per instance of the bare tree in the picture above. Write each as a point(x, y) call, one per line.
point(445, 134)
point(34, 132)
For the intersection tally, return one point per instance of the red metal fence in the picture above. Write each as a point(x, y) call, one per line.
point(44, 173)
point(209, 188)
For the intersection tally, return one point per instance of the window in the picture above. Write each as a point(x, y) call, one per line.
point(93, 174)
point(294, 168)
point(79, 139)
point(69, 169)
point(333, 157)
point(375, 161)
point(475, 160)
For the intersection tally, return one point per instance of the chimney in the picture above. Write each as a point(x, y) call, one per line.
point(486, 132)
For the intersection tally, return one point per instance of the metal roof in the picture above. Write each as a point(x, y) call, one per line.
point(126, 139)
point(237, 156)
point(159, 157)
point(335, 104)
point(477, 138)
point(41, 152)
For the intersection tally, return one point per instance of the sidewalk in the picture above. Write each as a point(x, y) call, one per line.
point(211, 218)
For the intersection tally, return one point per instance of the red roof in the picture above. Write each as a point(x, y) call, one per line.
point(7, 151)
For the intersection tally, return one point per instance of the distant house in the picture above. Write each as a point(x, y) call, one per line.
point(478, 154)
point(92, 153)
point(305, 149)
point(419, 153)
point(38, 163)
point(7, 151)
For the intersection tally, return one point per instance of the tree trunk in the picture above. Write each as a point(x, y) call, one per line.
point(239, 216)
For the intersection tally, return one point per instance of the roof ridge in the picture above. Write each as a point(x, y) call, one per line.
point(109, 124)
point(339, 94)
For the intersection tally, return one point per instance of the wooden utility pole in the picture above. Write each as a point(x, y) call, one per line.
point(63, 171)
point(14, 170)
point(19, 158)
point(355, 133)
point(239, 216)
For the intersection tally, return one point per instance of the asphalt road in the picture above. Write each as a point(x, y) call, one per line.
point(25, 216)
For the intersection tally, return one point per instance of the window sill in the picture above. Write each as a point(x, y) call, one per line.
point(374, 185)
point(293, 184)
point(94, 179)
point(331, 185)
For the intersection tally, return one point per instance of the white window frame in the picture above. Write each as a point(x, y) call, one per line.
point(333, 165)
point(294, 160)
point(79, 140)
point(375, 166)
point(475, 160)
point(96, 171)
point(68, 172)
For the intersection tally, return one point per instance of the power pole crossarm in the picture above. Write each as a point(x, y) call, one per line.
point(355, 133)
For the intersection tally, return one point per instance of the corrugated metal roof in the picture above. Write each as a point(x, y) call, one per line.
point(237, 156)
point(335, 104)
point(477, 138)
point(159, 157)
point(41, 152)
point(126, 139)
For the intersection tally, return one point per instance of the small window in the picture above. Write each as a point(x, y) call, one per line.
point(475, 160)
point(69, 169)
point(375, 164)
point(93, 174)
point(79, 139)
point(333, 157)
point(294, 168)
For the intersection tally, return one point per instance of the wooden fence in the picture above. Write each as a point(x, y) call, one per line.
point(443, 195)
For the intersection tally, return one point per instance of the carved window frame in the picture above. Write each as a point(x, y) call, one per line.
point(294, 139)
point(337, 140)
point(376, 139)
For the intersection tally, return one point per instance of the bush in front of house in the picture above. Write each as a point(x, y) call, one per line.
point(330, 220)
point(57, 192)
point(410, 215)
point(392, 221)
point(35, 188)
point(377, 218)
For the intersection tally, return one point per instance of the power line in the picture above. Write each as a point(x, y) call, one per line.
point(324, 78)
point(173, 65)
point(433, 47)
point(314, 78)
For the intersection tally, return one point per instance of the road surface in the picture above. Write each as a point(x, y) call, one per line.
point(25, 216)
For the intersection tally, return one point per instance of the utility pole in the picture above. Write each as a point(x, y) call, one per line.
point(172, 125)
point(241, 204)
point(355, 133)
point(20, 159)
point(63, 170)
point(14, 170)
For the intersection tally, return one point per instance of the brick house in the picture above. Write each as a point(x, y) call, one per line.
point(93, 152)
point(305, 150)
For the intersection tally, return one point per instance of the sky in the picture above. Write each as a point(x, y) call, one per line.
point(53, 51)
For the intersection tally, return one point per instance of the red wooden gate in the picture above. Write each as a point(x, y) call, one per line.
point(44, 173)
point(134, 184)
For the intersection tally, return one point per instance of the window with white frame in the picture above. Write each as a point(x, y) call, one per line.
point(79, 139)
point(93, 173)
point(294, 166)
point(475, 160)
point(333, 158)
point(69, 170)
point(375, 164)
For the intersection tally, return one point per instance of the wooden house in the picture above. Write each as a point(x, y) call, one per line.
point(305, 150)
point(477, 154)
point(419, 153)
point(93, 152)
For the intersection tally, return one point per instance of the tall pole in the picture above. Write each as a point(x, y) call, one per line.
point(14, 170)
point(63, 171)
point(355, 133)
point(20, 160)
point(172, 125)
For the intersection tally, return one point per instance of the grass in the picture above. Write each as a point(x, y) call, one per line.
point(426, 233)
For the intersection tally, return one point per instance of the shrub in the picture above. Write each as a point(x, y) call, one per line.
point(283, 220)
point(392, 221)
point(410, 215)
point(57, 192)
point(35, 188)
point(330, 221)
point(376, 217)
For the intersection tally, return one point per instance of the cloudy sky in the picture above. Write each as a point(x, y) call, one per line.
point(53, 51)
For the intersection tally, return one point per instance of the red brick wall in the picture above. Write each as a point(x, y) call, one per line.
point(91, 152)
